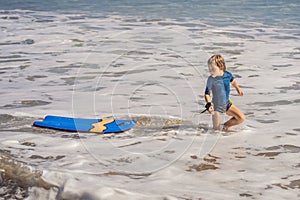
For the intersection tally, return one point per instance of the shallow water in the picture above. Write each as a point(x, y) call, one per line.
point(149, 67)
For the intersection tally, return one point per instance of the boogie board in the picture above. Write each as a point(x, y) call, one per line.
point(108, 125)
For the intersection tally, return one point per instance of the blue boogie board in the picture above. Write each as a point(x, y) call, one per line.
point(108, 125)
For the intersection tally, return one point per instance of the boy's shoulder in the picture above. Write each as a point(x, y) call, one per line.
point(227, 73)
point(211, 78)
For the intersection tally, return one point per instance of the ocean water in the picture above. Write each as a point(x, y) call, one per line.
point(146, 60)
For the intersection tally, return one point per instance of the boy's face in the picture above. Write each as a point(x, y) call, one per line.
point(214, 70)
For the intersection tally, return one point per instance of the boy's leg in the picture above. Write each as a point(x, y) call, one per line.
point(237, 117)
point(216, 120)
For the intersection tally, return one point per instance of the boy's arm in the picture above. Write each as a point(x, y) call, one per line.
point(207, 97)
point(235, 85)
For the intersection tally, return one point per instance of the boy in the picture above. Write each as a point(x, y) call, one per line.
point(219, 84)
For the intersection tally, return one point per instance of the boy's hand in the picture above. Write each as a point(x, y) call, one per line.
point(209, 108)
point(240, 92)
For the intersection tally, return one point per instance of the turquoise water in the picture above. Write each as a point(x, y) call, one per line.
point(270, 12)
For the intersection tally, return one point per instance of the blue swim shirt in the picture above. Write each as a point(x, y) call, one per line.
point(220, 88)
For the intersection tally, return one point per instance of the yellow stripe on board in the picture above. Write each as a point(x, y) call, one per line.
point(99, 127)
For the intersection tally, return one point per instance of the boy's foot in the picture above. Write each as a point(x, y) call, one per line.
point(225, 128)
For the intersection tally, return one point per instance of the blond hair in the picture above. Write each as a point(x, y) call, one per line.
point(217, 60)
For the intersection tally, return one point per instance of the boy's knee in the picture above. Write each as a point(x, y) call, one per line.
point(242, 118)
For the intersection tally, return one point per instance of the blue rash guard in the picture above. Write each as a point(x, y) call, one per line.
point(220, 87)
